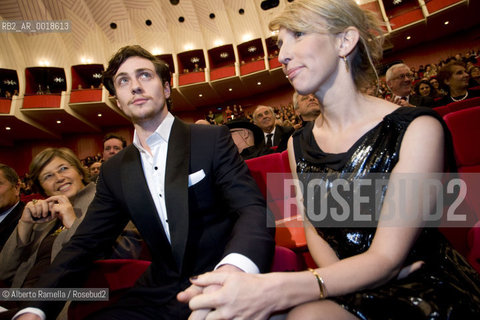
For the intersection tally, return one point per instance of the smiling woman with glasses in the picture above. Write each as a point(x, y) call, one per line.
point(47, 224)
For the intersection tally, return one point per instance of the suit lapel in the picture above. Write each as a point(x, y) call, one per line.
point(140, 202)
point(176, 188)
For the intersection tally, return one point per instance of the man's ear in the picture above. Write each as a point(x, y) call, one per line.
point(347, 41)
point(166, 89)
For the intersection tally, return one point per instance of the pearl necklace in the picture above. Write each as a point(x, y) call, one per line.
point(462, 98)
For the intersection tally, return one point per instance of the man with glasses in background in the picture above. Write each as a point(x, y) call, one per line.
point(399, 80)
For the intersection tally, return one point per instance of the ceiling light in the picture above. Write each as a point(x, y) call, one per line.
point(259, 83)
point(408, 37)
point(200, 95)
point(188, 46)
point(99, 115)
point(230, 89)
point(246, 37)
point(194, 60)
point(252, 49)
point(156, 51)
point(224, 55)
point(8, 128)
point(217, 42)
point(58, 121)
point(446, 22)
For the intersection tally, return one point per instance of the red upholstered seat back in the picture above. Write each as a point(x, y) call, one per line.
point(273, 176)
point(465, 128)
point(117, 275)
point(464, 104)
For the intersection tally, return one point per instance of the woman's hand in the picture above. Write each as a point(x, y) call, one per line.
point(43, 211)
point(62, 208)
point(36, 211)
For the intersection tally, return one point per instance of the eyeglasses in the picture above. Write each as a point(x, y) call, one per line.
point(404, 75)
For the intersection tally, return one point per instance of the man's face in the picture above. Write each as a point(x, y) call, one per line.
point(9, 193)
point(308, 107)
point(401, 81)
point(140, 93)
point(111, 147)
point(265, 119)
point(95, 169)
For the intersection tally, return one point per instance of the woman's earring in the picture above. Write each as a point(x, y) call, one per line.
point(346, 63)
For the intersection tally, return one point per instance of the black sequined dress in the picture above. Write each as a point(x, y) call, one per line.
point(446, 287)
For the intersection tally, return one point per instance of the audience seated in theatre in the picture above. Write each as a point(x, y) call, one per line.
point(94, 170)
point(363, 272)
point(10, 205)
point(455, 80)
point(248, 138)
point(399, 79)
point(474, 77)
point(437, 91)
point(274, 135)
point(423, 88)
point(47, 224)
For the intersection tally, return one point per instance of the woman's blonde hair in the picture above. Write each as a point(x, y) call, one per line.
point(46, 156)
point(338, 15)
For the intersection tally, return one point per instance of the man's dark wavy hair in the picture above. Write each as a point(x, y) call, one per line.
point(126, 52)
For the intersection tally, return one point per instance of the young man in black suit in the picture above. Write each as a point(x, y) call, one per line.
point(187, 191)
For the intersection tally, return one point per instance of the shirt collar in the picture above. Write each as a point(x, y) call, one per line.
point(267, 133)
point(162, 133)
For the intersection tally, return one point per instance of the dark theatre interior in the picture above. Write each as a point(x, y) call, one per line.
point(222, 57)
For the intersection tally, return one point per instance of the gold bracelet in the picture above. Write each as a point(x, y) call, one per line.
point(321, 283)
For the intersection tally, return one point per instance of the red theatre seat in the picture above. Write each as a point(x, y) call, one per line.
point(120, 274)
point(117, 275)
point(464, 104)
point(271, 172)
point(465, 129)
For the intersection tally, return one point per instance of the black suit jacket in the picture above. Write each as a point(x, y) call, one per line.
point(221, 214)
point(280, 138)
point(9, 223)
point(421, 101)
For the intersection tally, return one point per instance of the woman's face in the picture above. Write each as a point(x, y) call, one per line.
point(435, 83)
point(459, 78)
point(475, 73)
point(309, 59)
point(59, 177)
point(424, 89)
